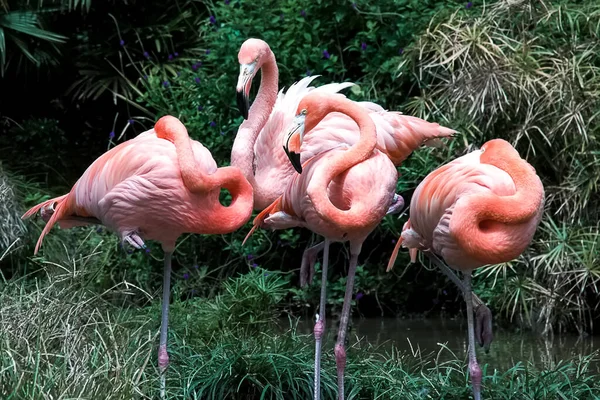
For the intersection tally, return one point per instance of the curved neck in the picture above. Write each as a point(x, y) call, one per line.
point(340, 162)
point(495, 229)
point(230, 178)
point(242, 152)
point(232, 217)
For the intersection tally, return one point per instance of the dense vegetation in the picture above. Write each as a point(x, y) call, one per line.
point(80, 77)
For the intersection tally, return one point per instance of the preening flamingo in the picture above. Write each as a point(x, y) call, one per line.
point(156, 186)
point(257, 148)
point(482, 208)
point(329, 198)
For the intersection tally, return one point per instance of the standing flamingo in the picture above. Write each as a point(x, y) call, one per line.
point(257, 152)
point(482, 208)
point(156, 186)
point(330, 198)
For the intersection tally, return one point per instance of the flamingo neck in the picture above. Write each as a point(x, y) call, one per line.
point(495, 229)
point(340, 162)
point(230, 218)
point(227, 219)
point(242, 152)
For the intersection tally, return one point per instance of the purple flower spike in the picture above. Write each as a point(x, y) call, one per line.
point(222, 133)
point(122, 42)
point(194, 67)
point(197, 80)
point(308, 72)
point(363, 46)
point(170, 56)
point(166, 83)
point(266, 274)
point(227, 2)
point(146, 77)
point(176, 54)
point(401, 51)
point(359, 296)
point(393, 241)
point(326, 54)
point(469, 5)
point(147, 250)
point(196, 266)
point(146, 54)
point(186, 276)
point(111, 135)
point(212, 19)
point(207, 51)
point(213, 124)
point(254, 265)
point(303, 13)
point(250, 256)
point(200, 108)
point(131, 121)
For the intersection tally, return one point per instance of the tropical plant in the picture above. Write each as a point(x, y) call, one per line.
point(529, 72)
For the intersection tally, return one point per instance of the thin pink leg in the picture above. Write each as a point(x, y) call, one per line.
point(163, 356)
point(474, 369)
point(320, 324)
point(340, 346)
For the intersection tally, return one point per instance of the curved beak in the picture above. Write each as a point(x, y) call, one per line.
point(293, 155)
point(243, 88)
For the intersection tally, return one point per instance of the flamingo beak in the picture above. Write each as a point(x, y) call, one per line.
point(247, 72)
point(294, 154)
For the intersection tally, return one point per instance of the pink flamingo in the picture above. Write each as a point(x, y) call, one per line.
point(257, 152)
point(156, 186)
point(482, 208)
point(328, 197)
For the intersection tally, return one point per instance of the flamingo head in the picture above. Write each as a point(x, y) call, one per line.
point(251, 57)
point(311, 110)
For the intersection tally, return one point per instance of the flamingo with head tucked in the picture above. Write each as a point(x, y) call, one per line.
point(482, 208)
point(156, 186)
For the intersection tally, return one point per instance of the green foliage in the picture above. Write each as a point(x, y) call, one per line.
point(528, 72)
point(22, 32)
point(11, 226)
point(61, 336)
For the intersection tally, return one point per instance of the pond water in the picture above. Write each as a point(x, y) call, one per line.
point(427, 335)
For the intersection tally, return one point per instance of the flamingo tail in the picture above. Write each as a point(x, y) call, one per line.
point(260, 218)
point(61, 210)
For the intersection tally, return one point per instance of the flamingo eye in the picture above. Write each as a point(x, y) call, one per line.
point(303, 112)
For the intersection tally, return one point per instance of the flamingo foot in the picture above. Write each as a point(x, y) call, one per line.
point(397, 204)
point(483, 326)
point(307, 268)
point(134, 240)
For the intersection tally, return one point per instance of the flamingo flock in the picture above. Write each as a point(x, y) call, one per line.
point(312, 158)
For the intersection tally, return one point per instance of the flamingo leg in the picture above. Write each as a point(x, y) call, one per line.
point(474, 369)
point(163, 356)
point(340, 346)
point(320, 324)
point(483, 315)
point(307, 268)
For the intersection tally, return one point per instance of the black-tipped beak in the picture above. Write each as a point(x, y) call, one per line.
point(294, 159)
point(243, 103)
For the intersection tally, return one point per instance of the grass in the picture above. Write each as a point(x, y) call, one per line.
point(60, 339)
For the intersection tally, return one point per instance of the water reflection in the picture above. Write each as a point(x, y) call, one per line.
point(426, 335)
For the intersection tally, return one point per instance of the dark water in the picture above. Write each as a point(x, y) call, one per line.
point(428, 335)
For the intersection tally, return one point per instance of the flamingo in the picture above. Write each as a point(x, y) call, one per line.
point(156, 186)
point(256, 149)
point(328, 197)
point(482, 208)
